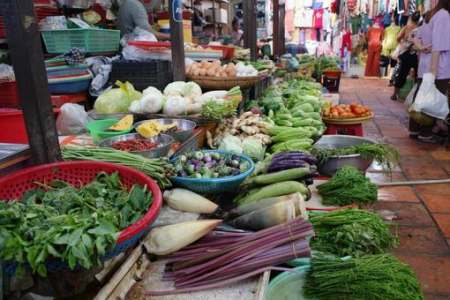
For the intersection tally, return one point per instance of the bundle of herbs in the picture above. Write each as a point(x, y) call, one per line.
point(371, 277)
point(384, 154)
point(348, 186)
point(74, 225)
point(352, 232)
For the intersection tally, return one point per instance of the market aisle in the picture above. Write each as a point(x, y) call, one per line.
point(422, 213)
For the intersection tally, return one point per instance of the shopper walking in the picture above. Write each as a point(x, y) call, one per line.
point(440, 64)
point(374, 38)
point(407, 56)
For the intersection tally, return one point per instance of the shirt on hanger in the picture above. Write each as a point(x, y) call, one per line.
point(317, 4)
point(326, 20)
point(318, 18)
point(303, 18)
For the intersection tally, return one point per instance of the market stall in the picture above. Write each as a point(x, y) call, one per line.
point(186, 188)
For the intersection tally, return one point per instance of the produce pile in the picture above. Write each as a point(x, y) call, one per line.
point(158, 168)
point(178, 99)
point(200, 164)
point(294, 111)
point(75, 225)
point(347, 111)
point(351, 232)
point(153, 128)
point(376, 277)
point(135, 145)
point(348, 186)
point(246, 134)
point(216, 69)
point(224, 257)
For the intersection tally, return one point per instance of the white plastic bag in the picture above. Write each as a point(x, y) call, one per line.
point(429, 100)
point(410, 98)
point(72, 119)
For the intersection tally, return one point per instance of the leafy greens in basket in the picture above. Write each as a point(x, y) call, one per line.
point(74, 225)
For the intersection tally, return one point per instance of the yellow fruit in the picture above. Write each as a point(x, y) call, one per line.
point(124, 124)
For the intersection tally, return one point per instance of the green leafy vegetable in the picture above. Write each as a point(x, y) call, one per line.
point(351, 232)
point(348, 186)
point(75, 225)
point(372, 277)
point(215, 110)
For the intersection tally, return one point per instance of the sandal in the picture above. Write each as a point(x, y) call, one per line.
point(432, 139)
point(394, 98)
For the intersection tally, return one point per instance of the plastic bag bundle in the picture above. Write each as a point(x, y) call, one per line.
point(72, 119)
point(430, 100)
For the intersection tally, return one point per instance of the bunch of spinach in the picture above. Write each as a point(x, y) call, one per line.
point(74, 225)
point(351, 232)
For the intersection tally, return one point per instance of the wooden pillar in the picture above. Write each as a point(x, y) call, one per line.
point(25, 48)
point(276, 24)
point(249, 7)
point(281, 34)
point(177, 39)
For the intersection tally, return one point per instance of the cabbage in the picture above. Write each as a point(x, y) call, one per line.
point(175, 88)
point(192, 90)
point(232, 144)
point(152, 91)
point(152, 104)
point(176, 106)
point(117, 100)
point(254, 148)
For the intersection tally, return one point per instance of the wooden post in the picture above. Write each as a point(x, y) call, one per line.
point(25, 48)
point(276, 25)
point(177, 39)
point(249, 7)
point(281, 34)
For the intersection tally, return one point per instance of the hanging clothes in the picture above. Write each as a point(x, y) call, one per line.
point(303, 18)
point(390, 40)
point(318, 18)
point(346, 42)
point(374, 37)
point(411, 7)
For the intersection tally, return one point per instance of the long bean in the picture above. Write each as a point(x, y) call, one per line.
point(157, 168)
point(372, 277)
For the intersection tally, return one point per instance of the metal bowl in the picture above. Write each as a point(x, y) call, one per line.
point(186, 128)
point(334, 163)
point(163, 140)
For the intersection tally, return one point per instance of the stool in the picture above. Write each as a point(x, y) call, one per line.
point(354, 129)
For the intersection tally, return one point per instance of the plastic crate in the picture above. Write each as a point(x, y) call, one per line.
point(91, 40)
point(9, 95)
point(156, 73)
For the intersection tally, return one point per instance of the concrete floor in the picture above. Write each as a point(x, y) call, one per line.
point(422, 213)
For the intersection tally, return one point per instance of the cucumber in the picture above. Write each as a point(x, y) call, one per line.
point(274, 190)
point(290, 174)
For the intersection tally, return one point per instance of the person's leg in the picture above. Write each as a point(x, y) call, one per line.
point(414, 127)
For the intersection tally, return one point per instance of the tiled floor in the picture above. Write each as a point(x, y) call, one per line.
point(422, 213)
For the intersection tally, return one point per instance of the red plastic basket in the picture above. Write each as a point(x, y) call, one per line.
point(80, 173)
point(227, 51)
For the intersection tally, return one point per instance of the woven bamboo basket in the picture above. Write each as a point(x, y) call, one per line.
point(224, 83)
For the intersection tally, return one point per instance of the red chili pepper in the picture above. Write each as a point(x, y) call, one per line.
point(134, 145)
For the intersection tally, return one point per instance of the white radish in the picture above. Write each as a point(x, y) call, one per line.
point(171, 238)
point(187, 201)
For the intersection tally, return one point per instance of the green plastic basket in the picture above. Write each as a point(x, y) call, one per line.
point(99, 129)
point(91, 40)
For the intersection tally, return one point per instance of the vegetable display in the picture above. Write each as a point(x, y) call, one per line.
point(159, 168)
point(215, 69)
point(116, 100)
point(347, 111)
point(384, 154)
point(225, 257)
point(351, 232)
point(348, 186)
point(200, 164)
point(75, 225)
point(244, 134)
point(371, 277)
point(294, 111)
point(136, 145)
